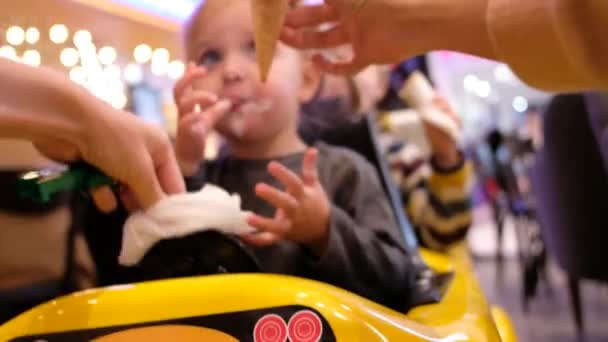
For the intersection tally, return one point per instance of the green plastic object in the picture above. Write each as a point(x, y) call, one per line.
point(42, 185)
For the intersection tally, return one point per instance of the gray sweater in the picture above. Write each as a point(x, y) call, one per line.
point(365, 253)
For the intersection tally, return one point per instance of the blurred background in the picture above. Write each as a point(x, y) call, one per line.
point(127, 52)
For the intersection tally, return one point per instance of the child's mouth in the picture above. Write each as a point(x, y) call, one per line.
point(242, 109)
point(249, 107)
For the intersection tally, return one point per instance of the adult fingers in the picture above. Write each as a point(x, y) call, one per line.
point(307, 39)
point(104, 198)
point(340, 67)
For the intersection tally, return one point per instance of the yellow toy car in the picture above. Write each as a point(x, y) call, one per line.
point(263, 308)
point(266, 308)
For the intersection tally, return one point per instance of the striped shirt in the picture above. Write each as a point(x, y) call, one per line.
point(436, 201)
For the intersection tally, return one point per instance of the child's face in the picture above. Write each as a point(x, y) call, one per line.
point(222, 42)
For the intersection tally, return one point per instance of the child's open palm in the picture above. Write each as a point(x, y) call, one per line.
point(303, 209)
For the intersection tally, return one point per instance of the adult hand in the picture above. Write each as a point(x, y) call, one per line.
point(138, 155)
point(67, 123)
point(388, 31)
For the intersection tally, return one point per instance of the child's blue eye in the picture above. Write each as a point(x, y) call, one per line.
point(210, 58)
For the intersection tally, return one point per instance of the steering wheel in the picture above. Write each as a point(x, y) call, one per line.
point(204, 253)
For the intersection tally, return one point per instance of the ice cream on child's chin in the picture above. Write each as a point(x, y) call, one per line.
point(236, 119)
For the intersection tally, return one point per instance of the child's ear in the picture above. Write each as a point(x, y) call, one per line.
point(311, 81)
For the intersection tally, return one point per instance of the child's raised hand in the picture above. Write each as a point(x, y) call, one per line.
point(303, 209)
point(199, 111)
point(445, 149)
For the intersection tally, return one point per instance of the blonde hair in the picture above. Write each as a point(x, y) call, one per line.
point(187, 29)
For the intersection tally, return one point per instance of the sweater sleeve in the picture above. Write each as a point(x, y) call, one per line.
point(556, 45)
point(365, 251)
point(444, 212)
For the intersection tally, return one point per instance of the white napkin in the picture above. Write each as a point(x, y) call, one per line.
point(180, 215)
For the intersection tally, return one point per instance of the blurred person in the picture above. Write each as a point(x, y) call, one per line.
point(531, 130)
point(496, 182)
point(436, 191)
point(435, 188)
point(535, 38)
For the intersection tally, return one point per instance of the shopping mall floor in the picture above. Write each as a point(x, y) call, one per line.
point(549, 317)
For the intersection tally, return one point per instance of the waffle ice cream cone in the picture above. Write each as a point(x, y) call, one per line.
point(268, 17)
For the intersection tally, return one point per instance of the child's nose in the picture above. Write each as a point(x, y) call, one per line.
point(236, 68)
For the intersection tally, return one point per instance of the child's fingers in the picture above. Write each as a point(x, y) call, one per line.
point(309, 167)
point(192, 73)
point(277, 198)
point(198, 97)
point(444, 106)
point(216, 112)
point(275, 225)
point(289, 179)
point(203, 122)
point(261, 239)
point(193, 123)
point(104, 199)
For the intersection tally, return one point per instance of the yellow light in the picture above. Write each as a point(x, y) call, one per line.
point(116, 84)
point(159, 69)
point(8, 52)
point(161, 56)
point(176, 69)
point(119, 100)
point(15, 35)
point(97, 88)
point(133, 74)
point(107, 55)
point(59, 34)
point(82, 37)
point(31, 58)
point(78, 75)
point(32, 35)
point(88, 56)
point(69, 57)
point(142, 53)
point(112, 72)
